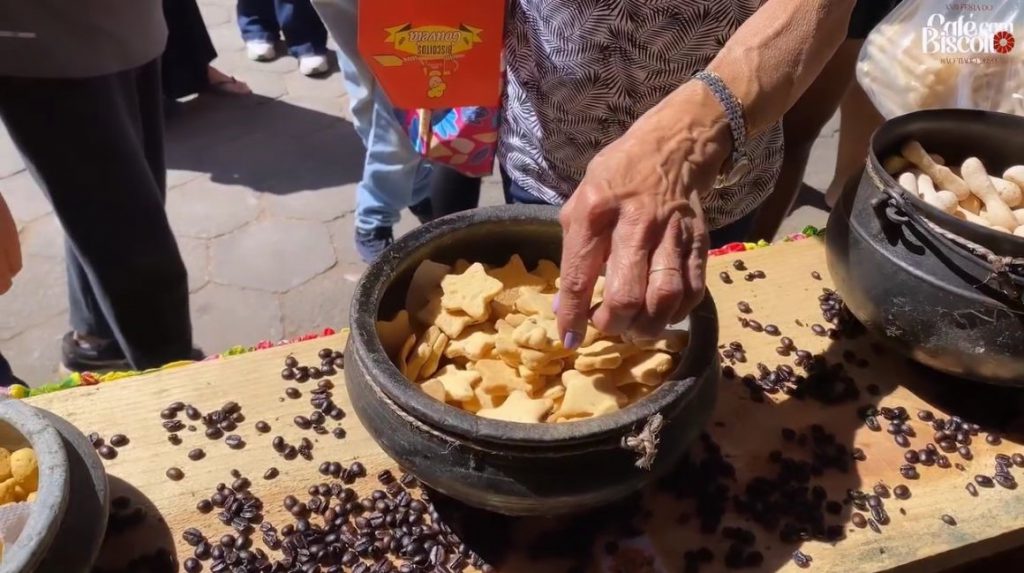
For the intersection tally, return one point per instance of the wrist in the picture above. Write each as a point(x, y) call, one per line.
point(694, 124)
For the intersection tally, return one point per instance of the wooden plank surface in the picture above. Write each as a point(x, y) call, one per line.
point(745, 430)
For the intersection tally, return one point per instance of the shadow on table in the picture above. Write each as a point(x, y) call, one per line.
point(671, 514)
point(264, 144)
point(138, 538)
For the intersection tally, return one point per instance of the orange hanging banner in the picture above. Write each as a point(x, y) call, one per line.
point(434, 53)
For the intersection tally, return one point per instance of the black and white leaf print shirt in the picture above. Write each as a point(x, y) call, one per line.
point(580, 72)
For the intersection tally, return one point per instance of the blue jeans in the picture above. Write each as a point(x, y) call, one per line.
point(264, 20)
point(731, 233)
point(395, 176)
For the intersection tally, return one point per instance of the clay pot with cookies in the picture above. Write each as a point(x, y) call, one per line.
point(455, 366)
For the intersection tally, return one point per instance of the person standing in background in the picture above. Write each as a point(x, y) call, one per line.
point(802, 124)
point(395, 176)
point(185, 65)
point(80, 97)
point(263, 21)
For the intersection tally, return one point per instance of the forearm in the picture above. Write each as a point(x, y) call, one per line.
point(776, 54)
point(768, 63)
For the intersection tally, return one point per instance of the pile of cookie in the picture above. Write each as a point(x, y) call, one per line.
point(485, 339)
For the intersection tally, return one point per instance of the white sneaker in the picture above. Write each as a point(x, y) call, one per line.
point(313, 65)
point(260, 51)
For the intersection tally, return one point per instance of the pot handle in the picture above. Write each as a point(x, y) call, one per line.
point(900, 211)
point(645, 442)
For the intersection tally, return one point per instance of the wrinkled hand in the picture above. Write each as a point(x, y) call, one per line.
point(637, 213)
point(10, 248)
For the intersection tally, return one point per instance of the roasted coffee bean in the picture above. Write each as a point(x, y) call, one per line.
point(942, 462)
point(971, 489)
point(288, 374)
point(739, 265)
point(290, 453)
point(983, 481)
point(874, 526)
point(240, 484)
point(901, 492)
point(192, 413)
point(227, 425)
point(174, 425)
point(818, 329)
point(872, 423)
point(948, 520)
point(1005, 480)
point(755, 326)
point(325, 468)
point(192, 565)
point(302, 422)
point(334, 469)
point(772, 330)
point(204, 506)
point(292, 392)
point(317, 418)
point(990, 439)
point(385, 477)
point(357, 469)
point(262, 427)
point(725, 278)
point(965, 452)
point(106, 452)
point(119, 440)
point(196, 454)
point(881, 490)
point(278, 444)
point(174, 474)
point(202, 551)
point(234, 441)
point(744, 307)
point(902, 441)
point(192, 536)
point(301, 374)
point(95, 439)
point(214, 433)
point(168, 414)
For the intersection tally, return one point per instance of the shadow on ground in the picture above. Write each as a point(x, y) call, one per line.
point(265, 144)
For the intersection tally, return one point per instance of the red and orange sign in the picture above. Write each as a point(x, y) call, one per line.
point(434, 53)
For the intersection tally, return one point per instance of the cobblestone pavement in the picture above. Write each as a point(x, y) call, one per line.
point(261, 197)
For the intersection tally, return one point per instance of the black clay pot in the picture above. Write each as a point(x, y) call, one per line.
point(511, 468)
point(945, 292)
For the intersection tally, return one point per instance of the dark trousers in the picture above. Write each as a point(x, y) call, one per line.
point(189, 50)
point(733, 232)
point(95, 146)
point(451, 191)
point(6, 376)
point(304, 33)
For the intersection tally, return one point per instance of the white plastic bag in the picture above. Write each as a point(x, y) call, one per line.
point(946, 53)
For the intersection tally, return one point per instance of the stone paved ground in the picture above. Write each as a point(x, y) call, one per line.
point(261, 197)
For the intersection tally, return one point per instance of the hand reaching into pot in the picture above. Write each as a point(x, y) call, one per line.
point(637, 215)
point(10, 248)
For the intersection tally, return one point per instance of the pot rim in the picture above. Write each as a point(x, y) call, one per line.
point(48, 510)
point(450, 420)
point(937, 216)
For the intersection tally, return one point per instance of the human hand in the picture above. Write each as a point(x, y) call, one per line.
point(10, 248)
point(637, 212)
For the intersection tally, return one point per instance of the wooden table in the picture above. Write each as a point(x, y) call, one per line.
point(746, 430)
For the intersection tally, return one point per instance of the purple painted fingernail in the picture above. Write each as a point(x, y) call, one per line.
point(572, 340)
point(554, 304)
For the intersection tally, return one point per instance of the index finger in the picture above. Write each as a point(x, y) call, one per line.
point(583, 253)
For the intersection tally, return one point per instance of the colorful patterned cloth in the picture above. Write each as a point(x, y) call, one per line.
point(90, 379)
point(464, 138)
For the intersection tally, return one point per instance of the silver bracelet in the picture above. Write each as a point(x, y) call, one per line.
point(740, 163)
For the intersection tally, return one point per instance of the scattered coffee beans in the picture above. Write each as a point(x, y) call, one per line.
point(119, 440)
point(106, 452)
point(175, 474)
